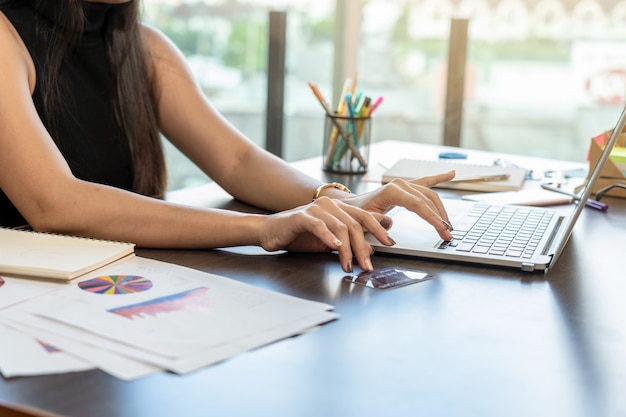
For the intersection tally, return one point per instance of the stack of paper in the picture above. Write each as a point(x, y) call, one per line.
point(142, 316)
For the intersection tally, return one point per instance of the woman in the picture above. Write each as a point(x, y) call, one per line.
point(85, 92)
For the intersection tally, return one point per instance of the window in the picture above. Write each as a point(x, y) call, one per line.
point(542, 76)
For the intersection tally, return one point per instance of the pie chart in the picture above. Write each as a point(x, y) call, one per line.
point(116, 284)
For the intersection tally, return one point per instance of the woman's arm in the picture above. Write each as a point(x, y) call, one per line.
point(193, 125)
point(38, 181)
point(249, 173)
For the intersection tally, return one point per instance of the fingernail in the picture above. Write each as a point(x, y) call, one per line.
point(350, 267)
point(393, 242)
point(448, 225)
point(338, 242)
point(368, 265)
point(385, 222)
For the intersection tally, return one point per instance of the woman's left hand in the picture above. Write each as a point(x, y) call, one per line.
point(414, 195)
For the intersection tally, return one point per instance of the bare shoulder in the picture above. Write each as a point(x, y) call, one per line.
point(158, 44)
point(9, 38)
point(151, 35)
point(14, 56)
point(167, 58)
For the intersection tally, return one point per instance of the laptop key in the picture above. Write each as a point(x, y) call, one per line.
point(465, 246)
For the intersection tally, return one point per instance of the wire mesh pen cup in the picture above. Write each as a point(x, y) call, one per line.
point(346, 144)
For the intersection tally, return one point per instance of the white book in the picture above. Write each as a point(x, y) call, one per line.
point(469, 177)
point(53, 256)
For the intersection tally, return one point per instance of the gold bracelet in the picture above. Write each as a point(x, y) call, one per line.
point(329, 185)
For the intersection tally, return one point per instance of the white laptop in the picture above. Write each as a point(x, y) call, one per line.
point(479, 235)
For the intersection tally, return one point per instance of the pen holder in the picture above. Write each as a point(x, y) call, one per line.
point(346, 144)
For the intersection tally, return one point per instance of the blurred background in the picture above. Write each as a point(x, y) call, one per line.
point(541, 77)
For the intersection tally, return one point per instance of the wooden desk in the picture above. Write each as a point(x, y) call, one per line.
point(472, 342)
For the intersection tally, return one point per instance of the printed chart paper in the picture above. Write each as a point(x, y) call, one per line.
point(154, 315)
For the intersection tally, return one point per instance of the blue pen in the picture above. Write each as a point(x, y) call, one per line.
point(352, 114)
point(343, 147)
point(351, 129)
point(349, 104)
point(351, 110)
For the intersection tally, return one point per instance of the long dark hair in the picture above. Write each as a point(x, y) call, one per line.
point(134, 97)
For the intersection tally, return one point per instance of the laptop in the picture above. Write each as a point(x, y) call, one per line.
point(481, 231)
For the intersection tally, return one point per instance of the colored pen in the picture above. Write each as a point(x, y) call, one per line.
point(595, 204)
point(354, 81)
point(321, 98)
point(335, 139)
point(375, 104)
point(358, 102)
point(348, 84)
point(330, 113)
point(349, 104)
point(365, 108)
point(352, 112)
point(363, 112)
point(351, 130)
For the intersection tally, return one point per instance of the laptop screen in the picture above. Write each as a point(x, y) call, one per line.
point(592, 178)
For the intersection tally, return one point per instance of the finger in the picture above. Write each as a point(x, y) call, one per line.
point(326, 211)
point(425, 203)
point(443, 226)
point(307, 222)
point(369, 222)
point(352, 221)
point(376, 224)
point(440, 222)
point(435, 179)
point(432, 197)
point(385, 221)
point(435, 201)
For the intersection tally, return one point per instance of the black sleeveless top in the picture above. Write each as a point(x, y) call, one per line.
point(87, 132)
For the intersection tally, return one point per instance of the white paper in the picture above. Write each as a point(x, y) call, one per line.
point(16, 290)
point(185, 311)
point(114, 364)
point(23, 355)
point(73, 339)
point(145, 315)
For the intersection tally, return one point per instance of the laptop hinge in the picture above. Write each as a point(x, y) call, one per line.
point(528, 267)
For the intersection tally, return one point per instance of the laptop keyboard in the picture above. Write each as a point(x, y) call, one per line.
point(505, 231)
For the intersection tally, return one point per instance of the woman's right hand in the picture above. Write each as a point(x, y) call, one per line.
point(326, 225)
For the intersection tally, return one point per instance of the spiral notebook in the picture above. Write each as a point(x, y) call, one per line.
point(57, 257)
